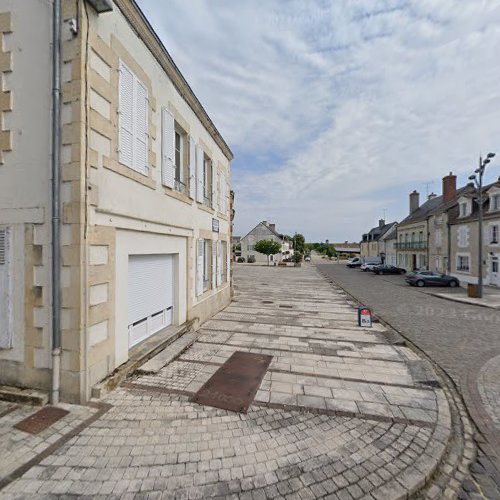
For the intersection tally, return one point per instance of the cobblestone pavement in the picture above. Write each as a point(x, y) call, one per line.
point(340, 413)
point(463, 339)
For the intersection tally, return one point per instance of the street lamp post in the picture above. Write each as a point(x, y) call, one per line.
point(477, 178)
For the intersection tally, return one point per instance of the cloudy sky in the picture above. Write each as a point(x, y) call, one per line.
point(336, 109)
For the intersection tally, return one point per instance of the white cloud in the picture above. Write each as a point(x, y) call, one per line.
point(358, 99)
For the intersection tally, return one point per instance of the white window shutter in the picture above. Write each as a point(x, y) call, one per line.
point(214, 264)
point(214, 186)
point(199, 174)
point(141, 128)
point(219, 263)
point(192, 168)
point(126, 116)
point(5, 291)
point(167, 148)
point(228, 261)
point(200, 257)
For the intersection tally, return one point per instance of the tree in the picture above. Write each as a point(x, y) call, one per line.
point(268, 247)
point(299, 243)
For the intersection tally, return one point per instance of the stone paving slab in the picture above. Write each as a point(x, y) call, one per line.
point(18, 447)
point(337, 415)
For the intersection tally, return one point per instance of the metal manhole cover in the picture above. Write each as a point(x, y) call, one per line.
point(233, 386)
point(41, 420)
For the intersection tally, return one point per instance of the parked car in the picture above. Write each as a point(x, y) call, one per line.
point(355, 262)
point(429, 278)
point(387, 269)
point(369, 266)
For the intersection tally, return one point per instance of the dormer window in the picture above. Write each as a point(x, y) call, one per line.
point(495, 202)
point(464, 207)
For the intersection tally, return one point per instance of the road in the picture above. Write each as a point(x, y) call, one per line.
point(463, 339)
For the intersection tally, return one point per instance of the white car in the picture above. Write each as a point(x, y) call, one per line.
point(369, 266)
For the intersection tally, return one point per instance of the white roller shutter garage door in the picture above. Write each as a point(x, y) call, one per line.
point(150, 295)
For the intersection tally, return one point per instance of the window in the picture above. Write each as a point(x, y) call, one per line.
point(132, 121)
point(495, 202)
point(463, 236)
point(463, 263)
point(5, 289)
point(203, 265)
point(464, 209)
point(494, 234)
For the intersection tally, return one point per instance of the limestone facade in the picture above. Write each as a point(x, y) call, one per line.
point(177, 202)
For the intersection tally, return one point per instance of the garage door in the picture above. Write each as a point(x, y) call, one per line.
point(150, 295)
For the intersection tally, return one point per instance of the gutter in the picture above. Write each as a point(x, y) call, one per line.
point(56, 204)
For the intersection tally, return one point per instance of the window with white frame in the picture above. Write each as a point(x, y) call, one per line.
point(132, 121)
point(495, 202)
point(463, 263)
point(463, 236)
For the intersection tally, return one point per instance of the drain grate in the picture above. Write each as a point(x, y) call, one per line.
point(233, 386)
point(41, 420)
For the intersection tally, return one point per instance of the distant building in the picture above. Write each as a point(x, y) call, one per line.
point(264, 231)
point(372, 244)
point(350, 249)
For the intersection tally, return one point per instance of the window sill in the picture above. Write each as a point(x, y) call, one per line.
point(177, 195)
point(128, 172)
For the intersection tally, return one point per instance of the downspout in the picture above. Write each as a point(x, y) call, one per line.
point(56, 209)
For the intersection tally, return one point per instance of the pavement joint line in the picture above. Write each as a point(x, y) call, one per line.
point(343, 413)
point(253, 321)
point(285, 407)
point(156, 388)
point(301, 352)
point(284, 335)
point(102, 408)
point(318, 375)
point(8, 410)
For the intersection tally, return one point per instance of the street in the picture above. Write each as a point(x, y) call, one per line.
point(463, 339)
point(339, 413)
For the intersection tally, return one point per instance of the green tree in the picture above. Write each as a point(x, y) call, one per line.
point(268, 247)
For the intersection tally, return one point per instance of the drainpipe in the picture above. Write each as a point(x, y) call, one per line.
point(56, 209)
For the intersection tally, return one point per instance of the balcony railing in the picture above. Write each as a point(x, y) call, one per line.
point(411, 245)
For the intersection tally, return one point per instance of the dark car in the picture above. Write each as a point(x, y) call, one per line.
point(429, 278)
point(387, 269)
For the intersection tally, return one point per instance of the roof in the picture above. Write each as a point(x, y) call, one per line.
point(140, 24)
point(433, 206)
point(377, 232)
point(454, 211)
point(263, 223)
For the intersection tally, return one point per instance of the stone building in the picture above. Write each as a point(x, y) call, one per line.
point(464, 236)
point(145, 195)
point(264, 231)
point(371, 244)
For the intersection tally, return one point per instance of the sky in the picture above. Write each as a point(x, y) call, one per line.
point(336, 110)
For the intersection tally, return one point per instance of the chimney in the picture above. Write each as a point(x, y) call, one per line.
point(449, 187)
point(414, 201)
point(432, 196)
point(381, 223)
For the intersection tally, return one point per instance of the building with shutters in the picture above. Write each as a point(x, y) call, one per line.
point(464, 234)
point(145, 194)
